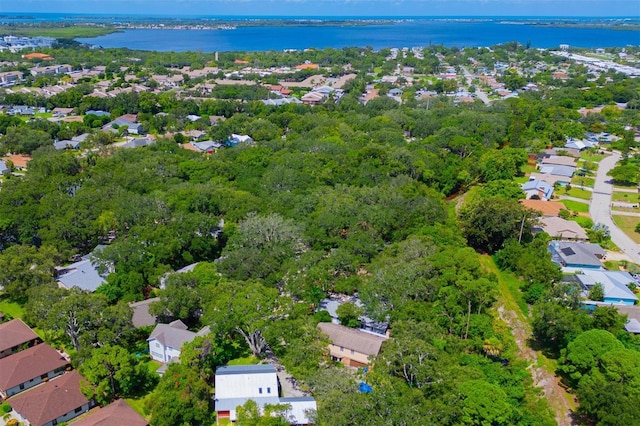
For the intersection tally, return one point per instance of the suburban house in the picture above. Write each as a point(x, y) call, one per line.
point(30, 367)
point(560, 228)
point(331, 305)
point(51, 69)
point(577, 255)
point(19, 161)
point(10, 78)
point(537, 189)
point(138, 143)
point(546, 208)
point(115, 414)
point(204, 146)
point(559, 160)
point(353, 348)
point(3, 167)
point(580, 145)
point(128, 120)
point(15, 336)
point(141, 316)
point(559, 170)
point(166, 340)
point(59, 400)
point(614, 284)
point(66, 144)
point(235, 385)
point(235, 139)
point(83, 274)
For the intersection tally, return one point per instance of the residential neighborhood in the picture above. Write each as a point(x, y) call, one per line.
point(319, 236)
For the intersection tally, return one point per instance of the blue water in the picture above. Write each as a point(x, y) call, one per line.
point(406, 32)
point(401, 34)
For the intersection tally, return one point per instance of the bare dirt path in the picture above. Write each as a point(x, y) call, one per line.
point(561, 402)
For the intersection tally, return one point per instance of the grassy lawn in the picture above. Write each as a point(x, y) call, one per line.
point(249, 360)
point(575, 192)
point(11, 308)
point(152, 365)
point(628, 225)
point(625, 197)
point(575, 206)
point(137, 404)
point(585, 222)
point(527, 168)
point(588, 156)
point(582, 181)
point(508, 287)
point(521, 179)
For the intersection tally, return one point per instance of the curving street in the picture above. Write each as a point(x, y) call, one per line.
point(600, 208)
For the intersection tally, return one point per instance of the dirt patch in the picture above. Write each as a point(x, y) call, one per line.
point(561, 401)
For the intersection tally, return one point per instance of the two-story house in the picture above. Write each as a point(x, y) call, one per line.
point(166, 340)
point(353, 348)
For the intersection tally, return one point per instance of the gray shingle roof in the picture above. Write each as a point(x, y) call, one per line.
point(141, 316)
point(583, 254)
point(349, 338)
point(172, 335)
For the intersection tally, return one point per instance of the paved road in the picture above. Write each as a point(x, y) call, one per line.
point(600, 208)
point(479, 93)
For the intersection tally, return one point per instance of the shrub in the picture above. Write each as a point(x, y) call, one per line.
point(5, 407)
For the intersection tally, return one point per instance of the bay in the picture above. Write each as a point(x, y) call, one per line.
point(409, 33)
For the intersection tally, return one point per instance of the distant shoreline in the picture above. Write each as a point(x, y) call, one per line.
point(65, 26)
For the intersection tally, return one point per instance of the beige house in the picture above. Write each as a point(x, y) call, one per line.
point(353, 348)
point(558, 227)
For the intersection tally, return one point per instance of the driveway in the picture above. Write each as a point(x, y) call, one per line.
point(600, 208)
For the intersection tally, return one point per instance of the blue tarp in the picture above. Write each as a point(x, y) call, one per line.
point(365, 388)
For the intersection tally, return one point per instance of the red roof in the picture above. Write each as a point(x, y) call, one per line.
point(37, 55)
point(118, 413)
point(19, 160)
point(28, 364)
point(50, 400)
point(14, 333)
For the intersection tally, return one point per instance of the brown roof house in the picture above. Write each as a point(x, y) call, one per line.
point(15, 336)
point(25, 369)
point(118, 413)
point(59, 400)
point(352, 347)
point(558, 227)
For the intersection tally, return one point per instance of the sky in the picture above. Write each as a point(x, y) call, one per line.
point(596, 8)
